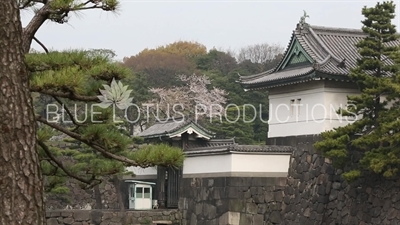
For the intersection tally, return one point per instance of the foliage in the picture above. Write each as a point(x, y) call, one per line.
point(236, 122)
point(184, 48)
point(163, 63)
point(163, 154)
point(221, 71)
point(73, 79)
point(375, 135)
point(216, 60)
point(236, 95)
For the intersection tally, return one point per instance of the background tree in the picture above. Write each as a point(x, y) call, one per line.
point(136, 117)
point(374, 137)
point(216, 60)
point(164, 63)
point(263, 55)
point(194, 97)
point(214, 65)
point(236, 122)
point(219, 66)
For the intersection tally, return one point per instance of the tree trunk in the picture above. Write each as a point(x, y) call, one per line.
point(117, 187)
point(161, 171)
point(97, 196)
point(21, 189)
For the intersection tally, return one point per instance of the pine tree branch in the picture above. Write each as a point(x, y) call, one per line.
point(41, 45)
point(37, 21)
point(60, 165)
point(28, 2)
point(33, 26)
point(92, 144)
point(72, 96)
point(69, 113)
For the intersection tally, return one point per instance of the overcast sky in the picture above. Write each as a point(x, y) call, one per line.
point(221, 24)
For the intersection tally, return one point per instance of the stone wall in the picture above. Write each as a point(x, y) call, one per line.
point(231, 200)
point(109, 217)
point(317, 194)
point(78, 198)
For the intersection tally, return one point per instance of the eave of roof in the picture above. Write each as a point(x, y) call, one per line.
point(241, 149)
point(192, 128)
point(212, 143)
point(176, 130)
point(326, 46)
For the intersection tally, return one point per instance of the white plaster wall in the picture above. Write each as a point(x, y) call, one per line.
point(316, 112)
point(207, 164)
point(284, 123)
point(336, 98)
point(237, 163)
point(260, 163)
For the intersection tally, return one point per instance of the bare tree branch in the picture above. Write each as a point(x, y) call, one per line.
point(259, 53)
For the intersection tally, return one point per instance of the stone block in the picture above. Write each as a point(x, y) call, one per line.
point(96, 216)
point(219, 182)
point(259, 199)
point(229, 218)
point(238, 181)
point(233, 192)
point(66, 213)
point(52, 221)
point(222, 206)
point(262, 208)
point(216, 192)
point(209, 211)
point(278, 196)
point(246, 219)
point(269, 196)
point(68, 220)
point(82, 215)
point(258, 219)
point(275, 217)
point(193, 219)
point(237, 205)
point(198, 208)
point(251, 208)
point(159, 222)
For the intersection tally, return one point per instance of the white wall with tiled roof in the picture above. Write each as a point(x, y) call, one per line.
point(239, 165)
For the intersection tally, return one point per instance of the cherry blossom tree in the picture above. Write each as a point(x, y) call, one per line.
point(194, 98)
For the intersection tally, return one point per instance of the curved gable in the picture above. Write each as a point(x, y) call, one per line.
point(295, 56)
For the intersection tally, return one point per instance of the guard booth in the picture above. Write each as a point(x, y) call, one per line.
point(140, 194)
